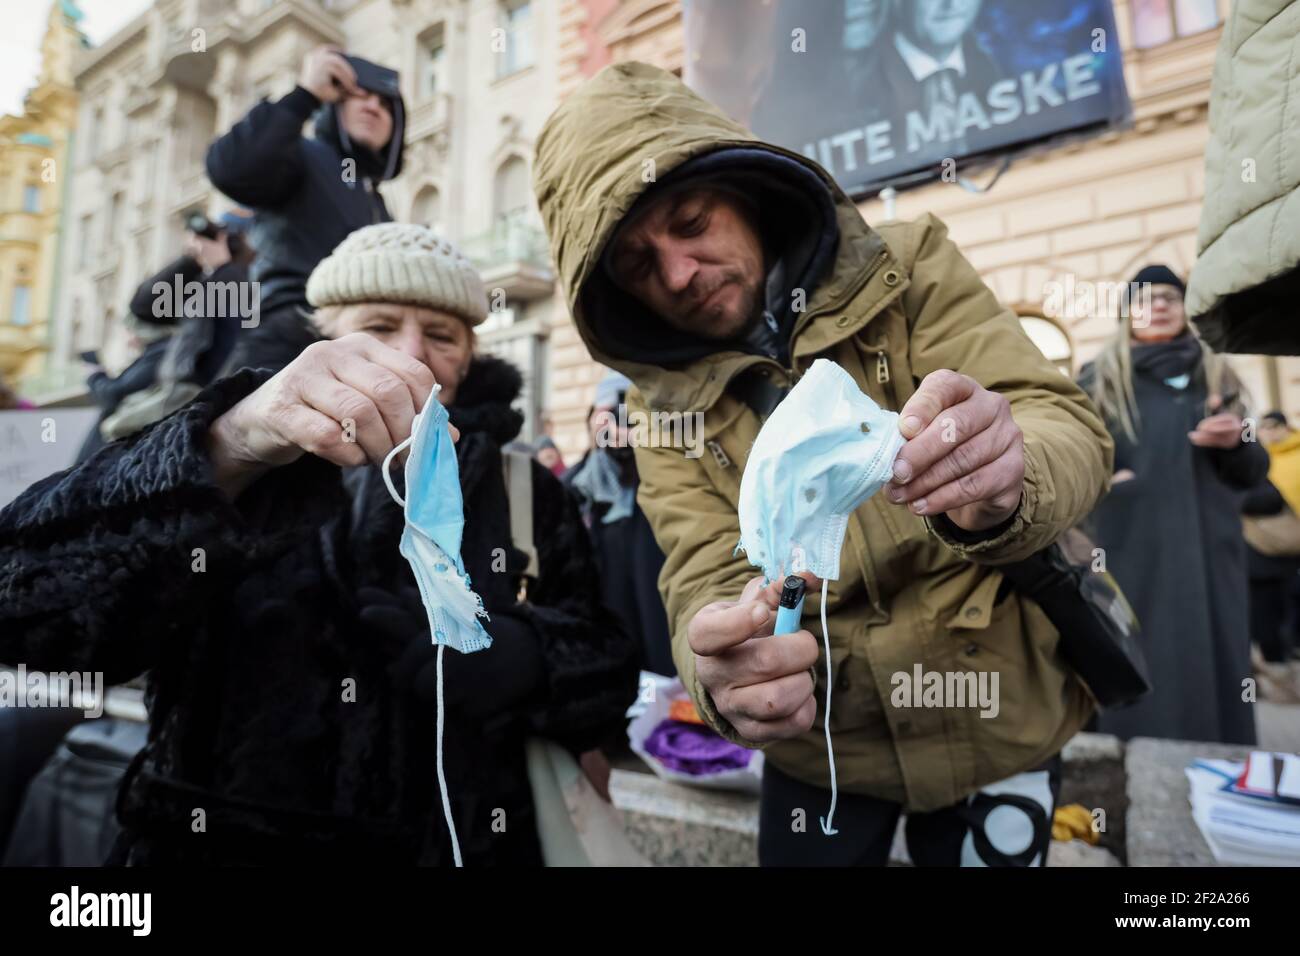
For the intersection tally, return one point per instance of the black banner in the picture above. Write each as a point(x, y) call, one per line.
point(885, 92)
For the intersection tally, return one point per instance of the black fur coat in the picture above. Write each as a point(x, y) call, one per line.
point(291, 672)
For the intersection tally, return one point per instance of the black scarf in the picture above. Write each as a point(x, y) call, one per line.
point(1166, 360)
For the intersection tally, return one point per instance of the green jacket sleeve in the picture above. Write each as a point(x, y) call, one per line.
point(957, 323)
point(697, 529)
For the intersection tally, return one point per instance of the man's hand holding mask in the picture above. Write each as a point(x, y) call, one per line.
point(964, 456)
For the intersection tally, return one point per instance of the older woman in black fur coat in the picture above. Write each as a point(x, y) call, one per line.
point(244, 552)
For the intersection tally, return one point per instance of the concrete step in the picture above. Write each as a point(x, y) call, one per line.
point(675, 825)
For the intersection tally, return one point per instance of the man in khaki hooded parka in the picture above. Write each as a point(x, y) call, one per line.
point(713, 269)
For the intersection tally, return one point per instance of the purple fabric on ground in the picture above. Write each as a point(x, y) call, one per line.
point(694, 749)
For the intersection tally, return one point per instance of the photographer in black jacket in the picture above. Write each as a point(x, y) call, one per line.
point(308, 194)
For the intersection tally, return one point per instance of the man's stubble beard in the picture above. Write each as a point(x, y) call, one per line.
point(749, 314)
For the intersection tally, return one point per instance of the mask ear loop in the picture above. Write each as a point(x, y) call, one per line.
point(442, 776)
point(388, 475)
point(827, 821)
point(404, 443)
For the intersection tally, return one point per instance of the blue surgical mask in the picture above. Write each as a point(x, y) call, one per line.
point(823, 451)
point(435, 524)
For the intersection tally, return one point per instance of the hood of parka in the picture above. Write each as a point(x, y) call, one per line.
point(634, 128)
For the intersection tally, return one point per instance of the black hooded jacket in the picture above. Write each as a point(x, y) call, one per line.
point(291, 672)
point(110, 392)
point(308, 194)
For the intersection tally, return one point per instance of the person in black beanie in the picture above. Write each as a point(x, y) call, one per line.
point(1170, 529)
point(308, 194)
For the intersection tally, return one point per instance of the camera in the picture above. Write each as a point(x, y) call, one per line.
point(375, 78)
point(197, 222)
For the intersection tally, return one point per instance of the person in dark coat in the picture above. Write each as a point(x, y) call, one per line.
point(1270, 578)
point(181, 345)
point(308, 194)
point(1170, 527)
point(548, 453)
point(152, 335)
point(291, 673)
point(218, 262)
point(1273, 560)
point(629, 558)
point(217, 257)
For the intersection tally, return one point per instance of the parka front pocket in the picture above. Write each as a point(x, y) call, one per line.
point(988, 634)
point(855, 703)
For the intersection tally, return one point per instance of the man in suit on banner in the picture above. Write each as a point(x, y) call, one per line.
point(933, 59)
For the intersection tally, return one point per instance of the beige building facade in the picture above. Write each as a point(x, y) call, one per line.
point(34, 149)
point(481, 76)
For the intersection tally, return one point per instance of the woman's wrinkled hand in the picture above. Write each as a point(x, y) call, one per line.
point(347, 400)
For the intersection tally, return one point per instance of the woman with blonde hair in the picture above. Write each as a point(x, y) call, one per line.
point(1170, 527)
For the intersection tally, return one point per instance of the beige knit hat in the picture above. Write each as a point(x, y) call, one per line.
point(399, 262)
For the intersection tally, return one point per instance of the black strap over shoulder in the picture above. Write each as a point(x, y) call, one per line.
point(1100, 637)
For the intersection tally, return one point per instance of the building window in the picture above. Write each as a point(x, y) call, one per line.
point(31, 198)
point(147, 170)
point(517, 22)
point(427, 209)
point(96, 126)
point(85, 241)
point(433, 63)
point(114, 221)
point(1159, 21)
point(497, 319)
point(510, 193)
point(22, 310)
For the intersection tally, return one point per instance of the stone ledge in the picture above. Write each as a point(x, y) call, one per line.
point(674, 825)
point(1161, 831)
point(1092, 775)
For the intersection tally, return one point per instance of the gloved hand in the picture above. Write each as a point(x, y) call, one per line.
point(484, 684)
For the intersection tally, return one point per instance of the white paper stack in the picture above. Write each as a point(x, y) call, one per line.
point(1249, 813)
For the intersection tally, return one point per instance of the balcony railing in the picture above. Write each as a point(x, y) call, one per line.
point(513, 256)
point(509, 241)
point(429, 117)
point(22, 227)
point(16, 342)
